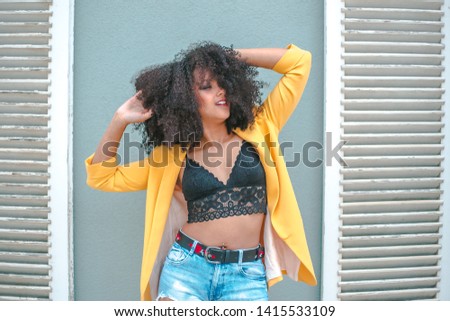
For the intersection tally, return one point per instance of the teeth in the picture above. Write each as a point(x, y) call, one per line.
point(221, 103)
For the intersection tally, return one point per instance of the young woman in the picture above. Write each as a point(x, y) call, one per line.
point(222, 221)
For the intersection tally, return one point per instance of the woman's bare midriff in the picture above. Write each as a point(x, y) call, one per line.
point(235, 232)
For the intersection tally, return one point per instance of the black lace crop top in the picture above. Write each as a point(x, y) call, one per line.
point(208, 198)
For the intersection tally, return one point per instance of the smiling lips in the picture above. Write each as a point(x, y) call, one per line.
point(222, 102)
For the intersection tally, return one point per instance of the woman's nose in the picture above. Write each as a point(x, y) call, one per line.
point(221, 91)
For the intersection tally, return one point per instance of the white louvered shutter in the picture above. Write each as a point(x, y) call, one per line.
point(392, 107)
point(24, 152)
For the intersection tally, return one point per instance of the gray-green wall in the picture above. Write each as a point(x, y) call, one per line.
point(114, 39)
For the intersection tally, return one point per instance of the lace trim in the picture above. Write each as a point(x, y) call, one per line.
point(228, 202)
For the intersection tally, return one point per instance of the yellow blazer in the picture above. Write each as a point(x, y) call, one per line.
point(166, 211)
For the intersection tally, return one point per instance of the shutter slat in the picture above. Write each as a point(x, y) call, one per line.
point(390, 206)
point(24, 120)
point(21, 298)
point(387, 24)
point(24, 50)
point(390, 240)
point(384, 229)
point(401, 261)
point(25, 15)
point(388, 161)
point(410, 294)
point(24, 257)
point(24, 189)
point(30, 4)
point(22, 234)
point(390, 150)
point(393, 70)
point(397, 4)
point(382, 251)
point(24, 38)
point(24, 246)
point(371, 127)
point(25, 84)
point(393, 104)
point(24, 200)
point(27, 73)
point(12, 61)
point(22, 142)
point(391, 47)
point(24, 212)
point(381, 184)
point(378, 139)
point(35, 291)
point(394, 36)
point(31, 96)
point(24, 223)
point(391, 172)
point(23, 177)
point(389, 195)
point(24, 108)
point(392, 58)
point(376, 285)
point(24, 27)
point(22, 268)
point(24, 131)
point(389, 93)
point(391, 81)
point(389, 273)
point(24, 153)
point(393, 13)
point(390, 217)
point(18, 279)
point(24, 166)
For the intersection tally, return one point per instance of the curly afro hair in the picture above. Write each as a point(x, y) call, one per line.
point(168, 90)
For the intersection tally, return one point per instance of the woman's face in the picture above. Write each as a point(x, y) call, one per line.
point(211, 98)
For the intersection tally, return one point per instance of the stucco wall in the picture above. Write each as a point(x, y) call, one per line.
point(114, 39)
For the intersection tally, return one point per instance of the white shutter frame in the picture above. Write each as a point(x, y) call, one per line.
point(332, 176)
point(61, 156)
point(358, 199)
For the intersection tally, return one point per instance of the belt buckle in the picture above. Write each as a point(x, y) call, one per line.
point(207, 254)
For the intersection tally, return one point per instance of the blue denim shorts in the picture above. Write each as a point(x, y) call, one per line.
point(189, 277)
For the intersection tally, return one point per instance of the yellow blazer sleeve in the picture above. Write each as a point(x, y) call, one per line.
point(295, 66)
point(109, 177)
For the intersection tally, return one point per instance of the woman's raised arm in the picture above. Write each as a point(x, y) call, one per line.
point(103, 173)
point(261, 57)
point(294, 64)
point(131, 111)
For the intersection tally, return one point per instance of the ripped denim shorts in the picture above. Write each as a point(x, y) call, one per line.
point(189, 277)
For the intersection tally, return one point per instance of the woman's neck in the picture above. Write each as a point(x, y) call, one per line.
point(217, 134)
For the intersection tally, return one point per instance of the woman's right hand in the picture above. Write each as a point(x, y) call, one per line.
point(133, 111)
